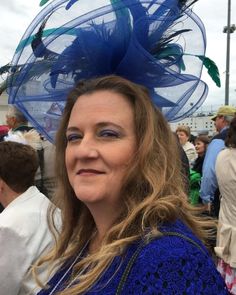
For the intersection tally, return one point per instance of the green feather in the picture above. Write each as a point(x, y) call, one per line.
point(212, 69)
point(43, 2)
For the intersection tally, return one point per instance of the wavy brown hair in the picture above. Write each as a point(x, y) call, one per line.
point(153, 190)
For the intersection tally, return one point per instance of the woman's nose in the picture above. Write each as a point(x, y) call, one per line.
point(87, 148)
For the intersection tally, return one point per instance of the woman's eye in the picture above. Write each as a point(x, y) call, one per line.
point(109, 133)
point(73, 137)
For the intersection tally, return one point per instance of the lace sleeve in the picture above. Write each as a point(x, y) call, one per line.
point(172, 266)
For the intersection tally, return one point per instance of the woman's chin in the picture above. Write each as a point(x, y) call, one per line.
point(88, 197)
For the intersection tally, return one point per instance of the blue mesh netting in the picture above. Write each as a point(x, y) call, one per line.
point(153, 43)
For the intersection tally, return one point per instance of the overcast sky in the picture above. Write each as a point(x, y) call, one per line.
point(16, 15)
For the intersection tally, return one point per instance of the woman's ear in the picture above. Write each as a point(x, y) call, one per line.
point(1, 190)
point(3, 187)
point(4, 193)
point(1, 184)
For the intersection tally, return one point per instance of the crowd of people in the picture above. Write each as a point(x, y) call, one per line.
point(118, 203)
point(213, 180)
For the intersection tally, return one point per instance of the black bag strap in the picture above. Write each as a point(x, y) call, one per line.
point(128, 268)
point(138, 250)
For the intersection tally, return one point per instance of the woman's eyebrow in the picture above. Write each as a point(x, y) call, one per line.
point(72, 128)
point(98, 125)
point(106, 123)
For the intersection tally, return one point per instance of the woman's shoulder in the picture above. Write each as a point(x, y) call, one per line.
point(227, 152)
point(188, 146)
point(176, 240)
point(225, 158)
point(176, 262)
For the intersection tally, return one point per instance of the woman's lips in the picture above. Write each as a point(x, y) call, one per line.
point(84, 172)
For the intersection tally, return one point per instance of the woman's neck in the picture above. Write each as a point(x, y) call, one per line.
point(104, 218)
point(95, 244)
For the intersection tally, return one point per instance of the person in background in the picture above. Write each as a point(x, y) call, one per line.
point(16, 120)
point(185, 168)
point(44, 177)
point(183, 133)
point(209, 191)
point(24, 233)
point(3, 132)
point(123, 202)
point(226, 234)
point(201, 144)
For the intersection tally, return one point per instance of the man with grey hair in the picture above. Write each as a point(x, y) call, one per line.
point(16, 120)
point(209, 191)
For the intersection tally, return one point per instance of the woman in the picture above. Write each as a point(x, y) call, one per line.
point(123, 206)
point(120, 186)
point(183, 133)
point(201, 143)
point(226, 234)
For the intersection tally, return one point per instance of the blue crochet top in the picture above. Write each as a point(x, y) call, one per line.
point(166, 265)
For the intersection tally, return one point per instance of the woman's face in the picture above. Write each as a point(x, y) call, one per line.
point(200, 147)
point(101, 142)
point(183, 138)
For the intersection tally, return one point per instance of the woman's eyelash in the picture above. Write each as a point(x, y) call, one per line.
point(72, 137)
point(103, 133)
point(109, 133)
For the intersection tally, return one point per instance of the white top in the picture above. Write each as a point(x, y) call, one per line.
point(24, 236)
point(226, 178)
point(190, 151)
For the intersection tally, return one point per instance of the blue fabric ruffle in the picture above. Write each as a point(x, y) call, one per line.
point(153, 43)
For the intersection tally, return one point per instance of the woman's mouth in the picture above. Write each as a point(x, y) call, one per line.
point(87, 172)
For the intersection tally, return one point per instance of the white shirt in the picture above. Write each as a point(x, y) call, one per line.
point(190, 151)
point(226, 232)
point(24, 236)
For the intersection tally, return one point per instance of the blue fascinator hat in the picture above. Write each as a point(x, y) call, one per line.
point(159, 44)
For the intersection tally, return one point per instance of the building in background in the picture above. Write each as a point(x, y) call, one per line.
point(200, 122)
